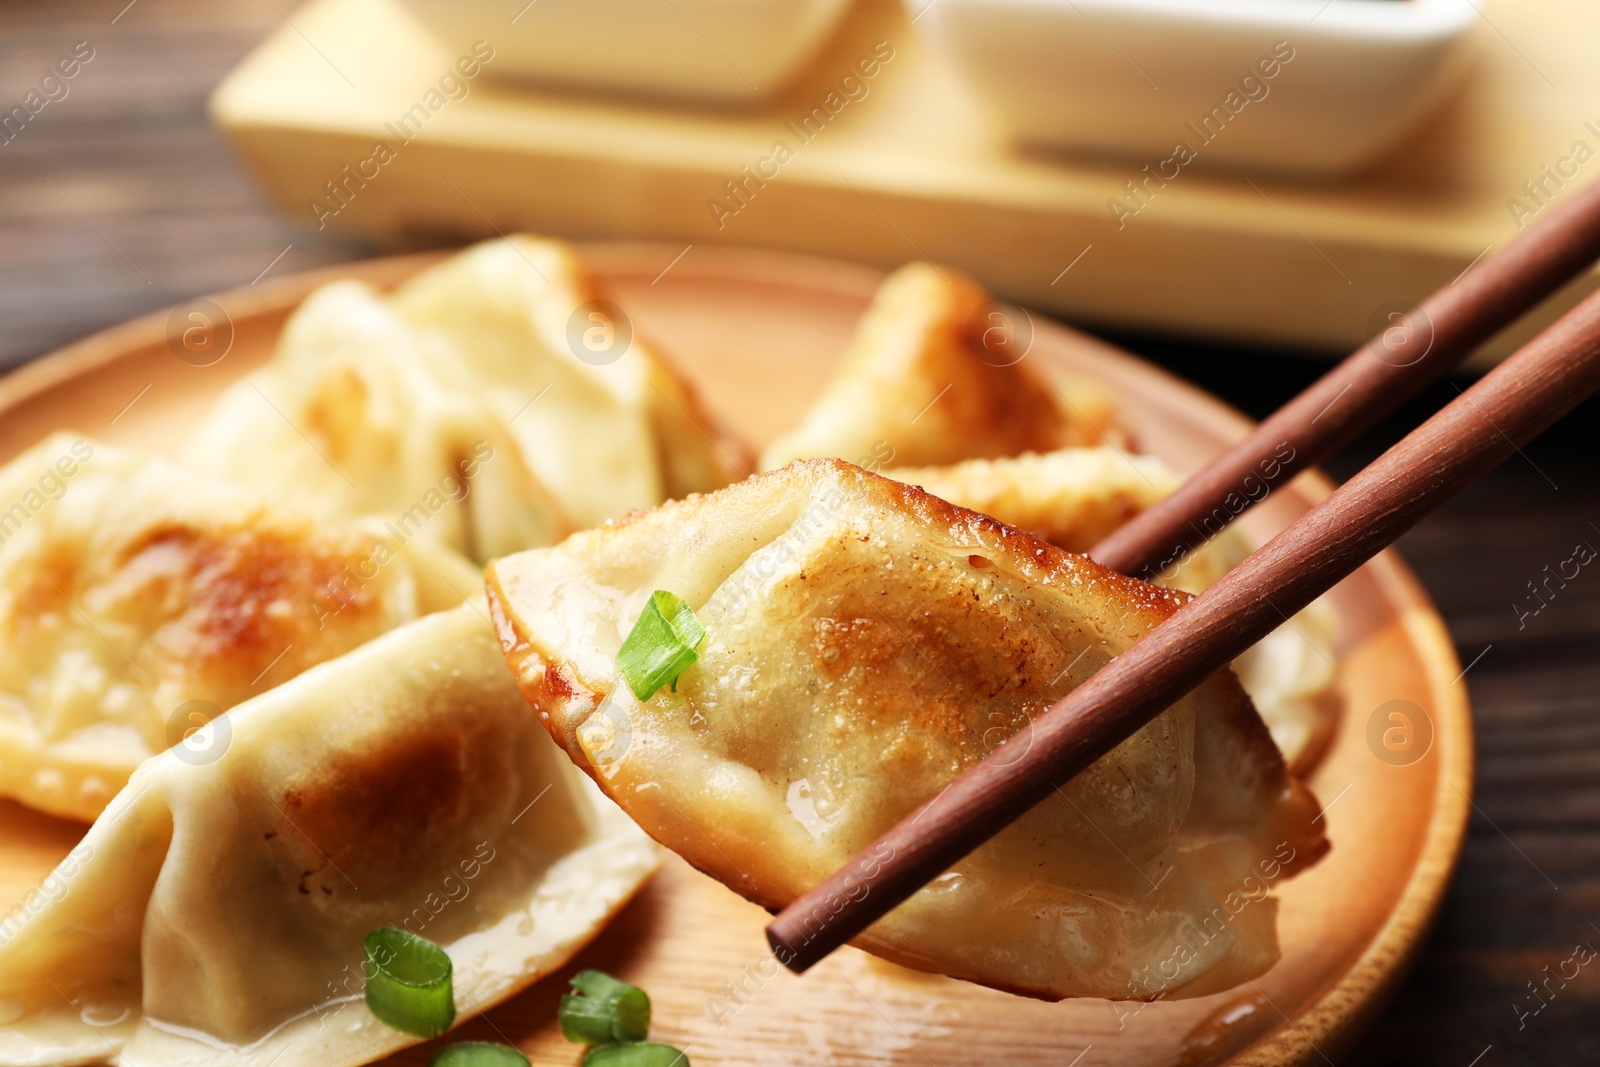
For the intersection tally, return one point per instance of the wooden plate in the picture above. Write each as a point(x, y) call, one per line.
point(758, 332)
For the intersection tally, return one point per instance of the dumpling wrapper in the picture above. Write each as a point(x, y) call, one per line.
point(138, 600)
point(615, 430)
point(865, 643)
point(918, 386)
point(359, 413)
point(212, 916)
point(1075, 497)
point(1072, 497)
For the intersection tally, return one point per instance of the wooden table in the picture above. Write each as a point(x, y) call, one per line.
point(120, 199)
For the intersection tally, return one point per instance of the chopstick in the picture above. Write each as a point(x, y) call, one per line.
point(1368, 385)
point(1486, 424)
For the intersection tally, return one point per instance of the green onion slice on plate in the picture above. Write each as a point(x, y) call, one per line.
point(642, 1054)
point(478, 1054)
point(408, 983)
point(661, 645)
point(604, 1010)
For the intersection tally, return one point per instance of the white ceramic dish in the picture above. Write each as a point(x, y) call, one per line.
point(1316, 87)
point(712, 50)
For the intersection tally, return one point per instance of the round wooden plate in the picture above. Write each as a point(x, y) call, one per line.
point(758, 333)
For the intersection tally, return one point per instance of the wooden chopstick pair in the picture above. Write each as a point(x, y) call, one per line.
point(1510, 406)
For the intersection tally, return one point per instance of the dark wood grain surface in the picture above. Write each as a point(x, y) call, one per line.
point(120, 199)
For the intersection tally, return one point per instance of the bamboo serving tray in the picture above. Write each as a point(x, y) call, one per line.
point(758, 332)
point(917, 168)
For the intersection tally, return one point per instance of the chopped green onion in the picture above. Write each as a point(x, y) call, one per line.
point(641, 1054)
point(478, 1054)
point(604, 1011)
point(585, 1021)
point(408, 984)
point(661, 645)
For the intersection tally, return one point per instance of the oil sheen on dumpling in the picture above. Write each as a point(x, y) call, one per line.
point(865, 643)
point(359, 413)
point(1075, 497)
point(138, 600)
point(920, 382)
point(214, 915)
point(601, 418)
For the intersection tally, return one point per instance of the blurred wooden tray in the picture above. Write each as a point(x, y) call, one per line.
point(758, 332)
point(916, 168)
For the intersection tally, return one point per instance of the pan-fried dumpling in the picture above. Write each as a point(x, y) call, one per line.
point(864, 644)
point(601, 418)
point(359, 413)
point(214, 915)
point(921, 380)
point(138, 600)
point(1077, 496)
point(1071, 498)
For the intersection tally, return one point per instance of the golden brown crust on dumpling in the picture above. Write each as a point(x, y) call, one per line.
point(220, 594)
point(919, 379)
point(143, 601)
point(866, 642)
point(1072, 497)
point(216, 915)
point(391, 806)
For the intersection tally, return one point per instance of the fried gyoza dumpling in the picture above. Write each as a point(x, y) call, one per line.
point(1071, 498)
point(601, 418)
point(214, 916)
point(359, 413)
point(138, 600)
point(864, 644)
point(1077, 496)
point(920, 380)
